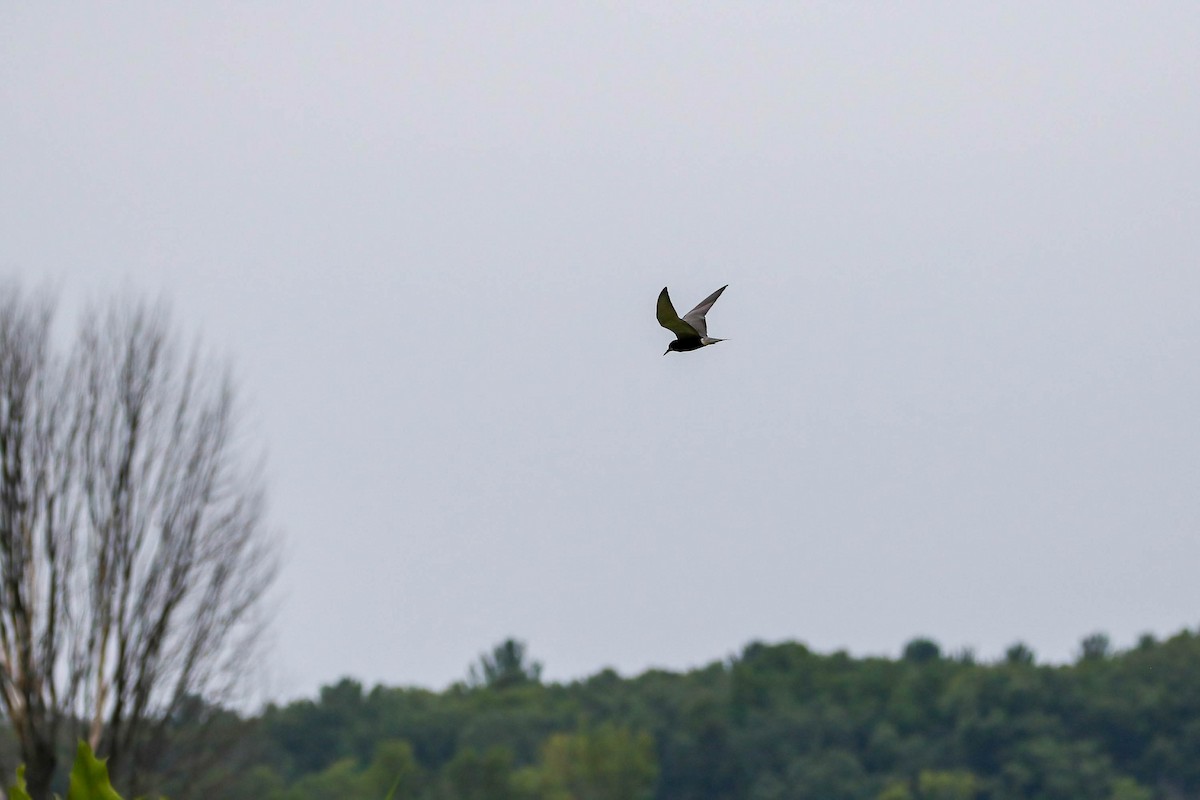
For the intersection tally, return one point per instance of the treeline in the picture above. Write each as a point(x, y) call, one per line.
point(778, 722)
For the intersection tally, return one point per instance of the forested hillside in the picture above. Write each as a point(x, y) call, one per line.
point(778, 721)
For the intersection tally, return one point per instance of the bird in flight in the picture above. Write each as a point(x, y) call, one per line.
point(691, 331)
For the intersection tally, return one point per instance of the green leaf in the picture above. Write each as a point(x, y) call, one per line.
point(89, 777)
point(18, 791)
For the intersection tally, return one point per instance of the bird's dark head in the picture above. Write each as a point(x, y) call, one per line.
point(685, 345)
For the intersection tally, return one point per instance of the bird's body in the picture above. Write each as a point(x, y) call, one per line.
point(691, 330)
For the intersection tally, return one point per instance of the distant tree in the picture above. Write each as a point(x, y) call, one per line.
point(506, 666)
point(133, 551)
point(1018, 653)
point(828, 775)
point(781, 723)
point(341, 780)
point(316, 734)
point(1095, 647)
point(1054, 769)
point(966, 656)
point(1129, 789)
point(393, 766)
point(257, 783)
point(920, 651)
point(471, 776)
point(947, 785)
point(896, 790)
point(607, 763)
point(211, 752)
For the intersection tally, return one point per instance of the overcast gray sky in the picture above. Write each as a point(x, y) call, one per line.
point(959, 397)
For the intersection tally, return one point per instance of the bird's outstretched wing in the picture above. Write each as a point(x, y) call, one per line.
point(695, 317)
point(670, 320)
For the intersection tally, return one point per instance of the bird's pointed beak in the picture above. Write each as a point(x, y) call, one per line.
point(666, 351)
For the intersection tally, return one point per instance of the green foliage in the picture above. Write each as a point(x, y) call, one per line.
point(777, 722)
point(506, 666)
point(1095, 647)
point(828, 775)
point(17, 791)
point(393, 772)
point(896, 790)
point(920, 651)
point(89, 777)
point(947, 785)
point(471, 776)
point(1129, 789)
point(259, 782)
point(605, 763)
point(341, 780)
point(1019, 653)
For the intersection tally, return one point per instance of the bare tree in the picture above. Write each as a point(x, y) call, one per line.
point(134, 556)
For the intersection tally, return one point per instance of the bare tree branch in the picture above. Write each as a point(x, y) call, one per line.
point(134, 555)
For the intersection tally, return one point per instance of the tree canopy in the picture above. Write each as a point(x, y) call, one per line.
point(776, 722)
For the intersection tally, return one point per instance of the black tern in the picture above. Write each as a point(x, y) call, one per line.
point(691, 332)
